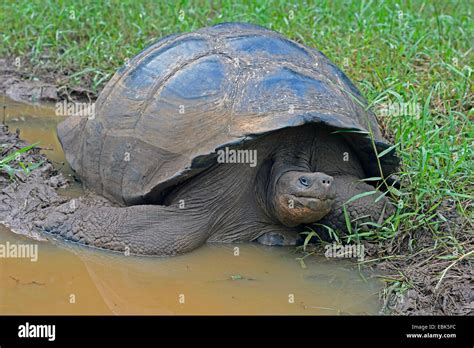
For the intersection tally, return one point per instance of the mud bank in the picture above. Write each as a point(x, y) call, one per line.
point(22, 198)
point(24, 83)
point(27, 199)
point(440, 284)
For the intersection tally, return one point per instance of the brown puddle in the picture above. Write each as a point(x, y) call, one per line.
point(70, 279)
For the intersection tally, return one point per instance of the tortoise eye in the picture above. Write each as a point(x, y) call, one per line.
point(303, 181)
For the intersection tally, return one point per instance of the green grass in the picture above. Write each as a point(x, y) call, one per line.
point(410, 52)
point(13, 163)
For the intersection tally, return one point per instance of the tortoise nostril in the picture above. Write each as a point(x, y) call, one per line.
point(323, 181)
point(326, 182)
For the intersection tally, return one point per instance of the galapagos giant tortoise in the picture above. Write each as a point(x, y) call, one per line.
point(171, 126)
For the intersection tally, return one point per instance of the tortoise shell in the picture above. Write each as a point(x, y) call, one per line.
point(161, 118)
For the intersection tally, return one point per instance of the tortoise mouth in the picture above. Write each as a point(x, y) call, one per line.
point(306, 210)
point(315, 203)
point(330, 196)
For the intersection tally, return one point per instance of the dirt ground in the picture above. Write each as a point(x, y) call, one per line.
point(423, 268)
point(27, 197)
point(28, 84)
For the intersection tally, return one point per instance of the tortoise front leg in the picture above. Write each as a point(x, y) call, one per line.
point(361, 210)
point(143, 230)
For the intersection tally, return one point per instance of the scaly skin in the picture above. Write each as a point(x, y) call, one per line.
point(348, 187)
point(141, 230)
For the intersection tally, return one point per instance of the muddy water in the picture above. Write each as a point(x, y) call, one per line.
point(70, 279)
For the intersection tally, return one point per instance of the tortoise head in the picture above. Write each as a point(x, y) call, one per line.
point(302, 197)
